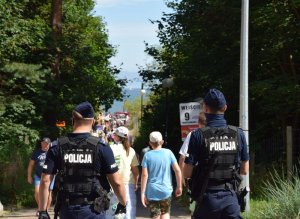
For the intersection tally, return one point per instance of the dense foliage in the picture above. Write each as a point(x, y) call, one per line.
point(281, 199)
point(43, 74)
point(200, 49)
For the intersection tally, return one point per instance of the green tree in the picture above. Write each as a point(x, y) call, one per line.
point(21, 84)
point(200, 49)
point(84, 69)
point(32, 97)
point(274, 70)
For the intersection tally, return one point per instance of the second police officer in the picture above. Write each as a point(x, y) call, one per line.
point(81, 162)
point(217, 156)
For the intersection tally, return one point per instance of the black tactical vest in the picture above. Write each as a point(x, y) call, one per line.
point(217, 167)
point(78, 168)
point(222, 143)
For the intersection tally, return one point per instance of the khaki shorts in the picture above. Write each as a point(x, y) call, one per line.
point(159, 207)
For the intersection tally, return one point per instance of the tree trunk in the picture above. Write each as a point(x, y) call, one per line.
point(56, 24)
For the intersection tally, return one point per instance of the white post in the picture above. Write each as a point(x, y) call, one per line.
point(244, 83)
point(289, 151)
point(1, 208)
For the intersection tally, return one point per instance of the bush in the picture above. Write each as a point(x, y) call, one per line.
point(22, 193)
point(255, 206)
point(25, 198)
point(281, 196)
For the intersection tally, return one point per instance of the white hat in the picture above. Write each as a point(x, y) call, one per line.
point(107, 118)
point(122, 132)
point(155, 137)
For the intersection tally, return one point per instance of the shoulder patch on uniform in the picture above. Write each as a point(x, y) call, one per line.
point(113, 166)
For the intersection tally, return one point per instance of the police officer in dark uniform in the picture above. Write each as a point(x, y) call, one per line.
point(217, 157)
point(81, 162)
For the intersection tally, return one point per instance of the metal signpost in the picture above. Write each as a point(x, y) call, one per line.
point(244, 83)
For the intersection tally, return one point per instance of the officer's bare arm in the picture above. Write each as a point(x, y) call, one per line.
point(244, 167)
point(44, 191)
point(118, 186)
point(181, 162)
point(187, 170)
point(181, 165)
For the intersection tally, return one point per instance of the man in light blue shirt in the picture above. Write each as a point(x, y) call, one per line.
point(156, 181)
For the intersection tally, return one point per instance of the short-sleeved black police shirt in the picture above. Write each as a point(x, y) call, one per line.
point(214, 120)
point(107, 160)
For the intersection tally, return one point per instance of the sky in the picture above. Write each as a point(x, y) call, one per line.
point(128, 25)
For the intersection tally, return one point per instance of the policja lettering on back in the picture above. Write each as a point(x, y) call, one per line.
point(83, 165)
point(78, 175)
point(217, 173)
point(222, 145)
point(78, 158)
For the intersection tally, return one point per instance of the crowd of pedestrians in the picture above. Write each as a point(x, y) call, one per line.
point(106, 124)
point(97, 169)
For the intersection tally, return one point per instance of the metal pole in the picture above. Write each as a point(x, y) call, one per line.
point(167, 117)
point(289, 151)
point(167, 83)
point(142, 94)
point(244, 83)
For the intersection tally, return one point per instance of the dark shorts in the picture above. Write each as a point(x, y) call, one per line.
point(159, 207)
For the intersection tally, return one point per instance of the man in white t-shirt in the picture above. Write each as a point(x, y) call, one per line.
point(184, 148)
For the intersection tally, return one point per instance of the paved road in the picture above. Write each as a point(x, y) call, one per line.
point(23, 214)
point(177, 212)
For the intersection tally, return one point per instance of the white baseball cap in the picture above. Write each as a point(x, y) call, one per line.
point(47, 140)
point(155, 137)
point(122, 131)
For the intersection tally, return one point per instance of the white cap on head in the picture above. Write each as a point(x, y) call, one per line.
point(122, 132)
point(47, 140)
point(155, 137)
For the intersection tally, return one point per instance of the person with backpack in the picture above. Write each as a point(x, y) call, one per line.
point(82, 164)
point(217, 157)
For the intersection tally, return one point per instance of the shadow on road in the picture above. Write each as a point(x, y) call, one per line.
point(24, 214)
point(177, 211)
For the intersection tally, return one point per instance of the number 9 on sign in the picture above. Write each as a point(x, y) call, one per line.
point(187, 116)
